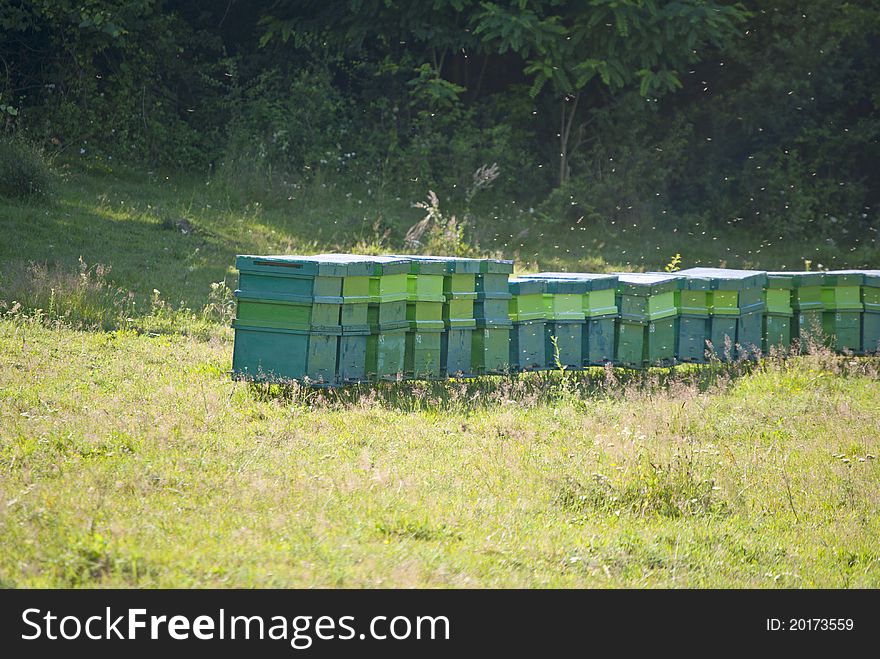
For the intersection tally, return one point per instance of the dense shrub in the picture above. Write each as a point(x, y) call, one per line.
point(24, 170)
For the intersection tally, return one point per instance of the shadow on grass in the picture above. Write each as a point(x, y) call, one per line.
point(522, 389)
point(530, 389)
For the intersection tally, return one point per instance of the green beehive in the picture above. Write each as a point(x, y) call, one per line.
point(286, 326)
point(493, 276)
point(318, 314)
point(456, 350)
point(599, 308)
point(564, 302)
point(424, 311)
point(460, 289)
point(382, 340)
point(564, 299)
point(490, 348)
point(736, 308)
point(492, 308)
point(568, 350)
point(600, 340)
point(278, 354)
point(750, 328)
point(289, 291)
point(693, 300)
point(564, 338)
point(425, 298)
point(422, 355)
point(806, 300)
point(458, 292)
point(355, 299)
point(387, 286)
point(529, 316)
point(457, 342)
point(871, 314)
point(301, 276)
point(491, 305)
point(385, 354)
point(528, 346)
point(779, 317)
point(647, 330)
point(351, 366)
point(526, 300)
point(352, 361)
point(842, 309)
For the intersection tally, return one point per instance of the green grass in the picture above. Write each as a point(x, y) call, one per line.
point(133, 460)
point(129, 458)
point(129, 224)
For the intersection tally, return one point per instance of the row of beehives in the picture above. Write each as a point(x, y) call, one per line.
point(333, 319)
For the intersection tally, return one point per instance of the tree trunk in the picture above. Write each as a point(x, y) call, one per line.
point(565, 124)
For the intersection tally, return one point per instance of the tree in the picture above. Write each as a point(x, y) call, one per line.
point(571, 45)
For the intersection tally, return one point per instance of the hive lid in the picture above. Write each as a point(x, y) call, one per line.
point(728, 279)
point(381, 265)
point(802, 278)
point(461, 264)
point(499, 266)
point(527, 286)
point(574, 282)
point(484, 266)
point(453, 264)
point(285, 265)
point(647, 283)
point(845, 278)
point(780, 280)
point(425, 265)
point(872, 278)
point(690, 282)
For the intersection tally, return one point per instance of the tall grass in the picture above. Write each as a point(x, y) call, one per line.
point(87, 299)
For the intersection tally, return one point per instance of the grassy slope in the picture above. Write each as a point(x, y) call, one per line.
point(131, 459)
point(119, 222)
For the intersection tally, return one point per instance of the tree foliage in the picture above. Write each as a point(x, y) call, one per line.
point(754, 112)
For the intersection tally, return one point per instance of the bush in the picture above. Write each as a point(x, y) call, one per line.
point(24, 171)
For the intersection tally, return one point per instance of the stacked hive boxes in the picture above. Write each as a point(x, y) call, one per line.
point(564, 336)
point(736, 308)
point(458, 292)
point(529, 317)
point(581, 312)
point(287, 324)
point(806, 301)
point(842, 309)
point(424, 312)
point(352, 360)
point(693, 300)
point(387, 282)
point(871, 314)
point(646, 330)
point(779, 313)
point(600, 309)
point(490, 348)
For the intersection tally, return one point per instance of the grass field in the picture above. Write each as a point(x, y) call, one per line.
point(129, 458)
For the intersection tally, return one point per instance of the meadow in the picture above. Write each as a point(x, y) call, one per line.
point(129, 458)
